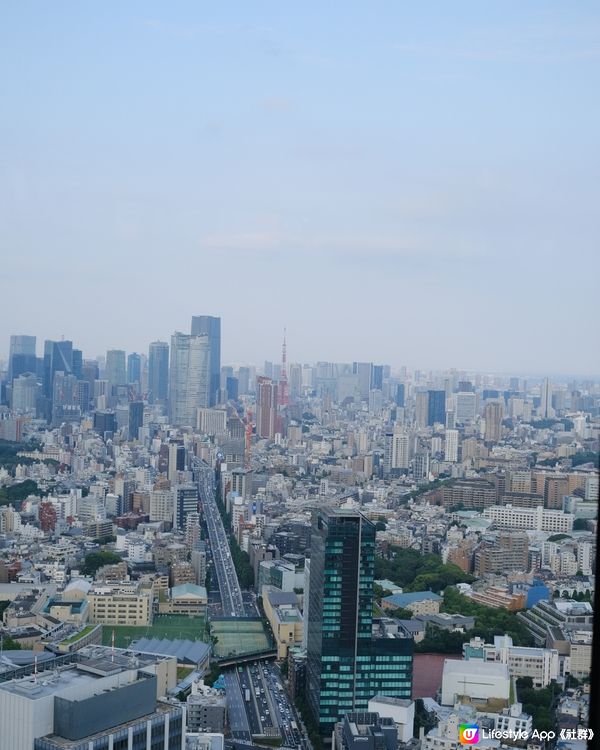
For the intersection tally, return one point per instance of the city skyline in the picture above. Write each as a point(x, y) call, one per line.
point(275, 358)
point(401, 185)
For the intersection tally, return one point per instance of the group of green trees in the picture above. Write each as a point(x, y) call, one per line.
point(416, 572)
point(95, 560)
point(489, 621)
point(16, 493)
point(538, 702)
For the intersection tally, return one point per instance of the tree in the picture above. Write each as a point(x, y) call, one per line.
point(8, 644)
point(95, 560)
point(580, 524)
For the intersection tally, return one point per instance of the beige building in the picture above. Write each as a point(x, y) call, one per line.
point(187, 599)
point(284, 617)
point(120, 605)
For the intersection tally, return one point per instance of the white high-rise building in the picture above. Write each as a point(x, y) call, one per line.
point(189, 384)
point(400, 450)
point(466, 407)
point(24, 394)
point(451, 451)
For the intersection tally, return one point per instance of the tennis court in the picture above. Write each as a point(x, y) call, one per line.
point(238, 636)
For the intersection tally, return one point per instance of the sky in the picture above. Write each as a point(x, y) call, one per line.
point(408, 183)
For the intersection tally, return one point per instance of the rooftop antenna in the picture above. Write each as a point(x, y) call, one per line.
point(112, 655)
point(35, 669)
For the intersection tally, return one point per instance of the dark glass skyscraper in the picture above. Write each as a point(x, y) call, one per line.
point(58, 357)
point(158, 372)
point(347, 662)
point(436, 411)
point(207, 325)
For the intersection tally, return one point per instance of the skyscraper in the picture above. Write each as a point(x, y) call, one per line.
point(158, 372)
point(347, 665)
point(436, 411)
point(494, 414)
point(451, 449)
point(58, 357)
point(115, 371)
point(421, 409)
point(24, 346)
point(190, 377)
point(266, 407)
point(134, 368)
point(546, 409)
point(207, 325)
point(136, 418)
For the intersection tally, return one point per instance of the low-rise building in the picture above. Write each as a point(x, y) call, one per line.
point(418, 602)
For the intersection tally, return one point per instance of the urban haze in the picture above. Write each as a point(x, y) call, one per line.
point(299, 387)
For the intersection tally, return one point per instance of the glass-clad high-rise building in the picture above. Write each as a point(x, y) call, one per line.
point(348, 661)
point(158, 372)
point(208, 325)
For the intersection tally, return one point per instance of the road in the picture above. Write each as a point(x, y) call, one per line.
point(269, 710)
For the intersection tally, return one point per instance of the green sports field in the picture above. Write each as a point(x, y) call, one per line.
point(164, 626)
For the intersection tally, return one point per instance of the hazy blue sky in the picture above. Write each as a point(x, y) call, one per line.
point(415, 183)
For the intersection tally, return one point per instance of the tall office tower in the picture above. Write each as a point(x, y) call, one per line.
point(186, 502)
point(436, 407)
point(346, 664)
point(78, 363)
point(295, 382)
point(232, 388)
point(546, 410)
point(514, 385)
point(363, 370)
point(24, 394)
point(421, 409)
point(243, 381)
point(189, 386)
point(58, 357)
point(375, 403)
point(494, 413)
point(451, 448)
point(465, 386)
point(266, 407)
point(115, 371)
point(400, 394)
point(24, 346)
point(134, 368)
point(465, 403)
point(158, 372)
point(65, 403)
point(83, 395)
point(136, 418)
point(377, 377)
point(283, 391)
point(400, 458)
point(421, 466)
point(207, 325)
point(90, 371)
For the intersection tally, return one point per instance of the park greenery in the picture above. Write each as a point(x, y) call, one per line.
point(16, 493)
point(538, 702)
point(413, 571)
point(95, 560)
point(489, 621)
point(586, 457)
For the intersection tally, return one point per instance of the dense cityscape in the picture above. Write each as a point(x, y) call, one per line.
point(202, 555)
